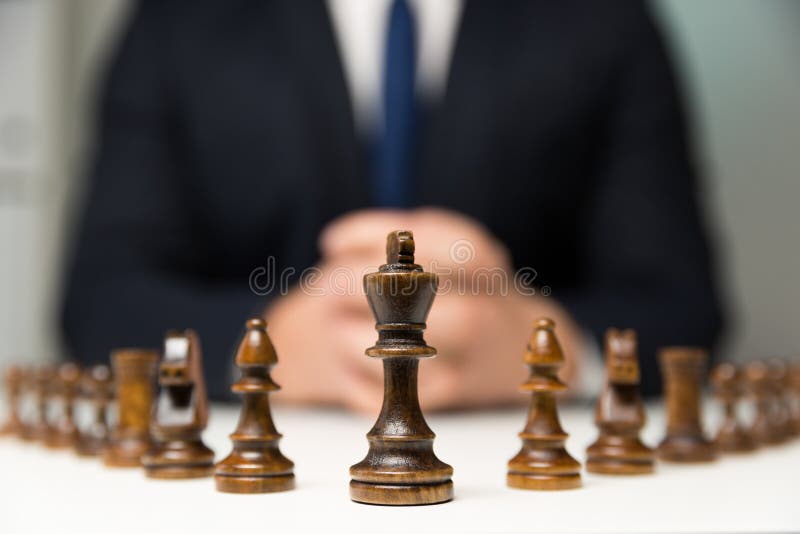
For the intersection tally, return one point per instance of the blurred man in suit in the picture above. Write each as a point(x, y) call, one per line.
point(516, 136)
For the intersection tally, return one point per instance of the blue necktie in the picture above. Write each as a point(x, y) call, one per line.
point(394, 151)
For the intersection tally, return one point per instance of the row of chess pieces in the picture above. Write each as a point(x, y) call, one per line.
point(162, 409)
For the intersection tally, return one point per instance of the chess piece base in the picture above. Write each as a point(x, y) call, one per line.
point(401, 494)
point(620, 455)
point(254, 484)
point(686, 449)
point(126, 453)
point(179, 459)
point(528, 481)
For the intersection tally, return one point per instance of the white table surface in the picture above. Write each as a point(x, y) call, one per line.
point(46, 491)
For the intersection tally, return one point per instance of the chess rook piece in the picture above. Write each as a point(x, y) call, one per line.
point(683, 371)
point(41, 379)
point(727, 384)
point(134, 373)
point(620, 413)
point(400, 467)
point(95, 388)
point(256, 464)
point(543, 463)
point(63, 433)
point(780, 416)
point(760, 387)
point(794, 395)
point(14, 378)
point(181, 413)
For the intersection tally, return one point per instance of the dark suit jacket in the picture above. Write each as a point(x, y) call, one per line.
point(226, 137)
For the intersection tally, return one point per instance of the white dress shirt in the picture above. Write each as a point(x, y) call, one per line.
point(360, 27)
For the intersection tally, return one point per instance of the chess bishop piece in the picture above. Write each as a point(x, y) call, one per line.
point(620, 413)
point(41, 379)
point(95, 389)
point(256, 464)
point(400, 467)
point(63, 432)
point(683, 371)
point(727, 384)
point(543, 463)
point(181, 413)
point(14, 379)
point(759, 385)
point(134, 373)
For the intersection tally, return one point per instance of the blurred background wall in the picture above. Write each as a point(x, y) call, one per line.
point(740, 62)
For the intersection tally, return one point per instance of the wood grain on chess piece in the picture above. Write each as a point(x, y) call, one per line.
point(620, 414)
point(95, 389)
point(14, 378)
point(134, 372)
point(683, 371)
point(256, 464)
point(726, 381)
point(543, 463)
point(400, 467)
point(181, 413)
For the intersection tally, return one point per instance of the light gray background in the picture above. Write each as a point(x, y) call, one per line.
point(740, 62)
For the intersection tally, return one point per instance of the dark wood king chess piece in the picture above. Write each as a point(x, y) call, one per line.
point(543, 463)
point(256, 464)
point(95, 389)
point(400, 467)
point(620, 413)
point(14, 380)
point(134, 372)
point(41, 379)
point(63, 433)
point(181, 413)
point(683, 371)
point(727, 384)
point(759, 385)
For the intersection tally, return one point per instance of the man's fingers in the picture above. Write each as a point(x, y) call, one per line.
point(361, 232)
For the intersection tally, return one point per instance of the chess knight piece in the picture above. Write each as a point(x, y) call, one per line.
point(63, 433)
point(683, 370)
point(95, 389)
point(543, 463)
point(727, 384)
point(134, 373)
point(620, 413)
point(400, 467)
point(181, 413)
point(14, 378)
point(256, 464)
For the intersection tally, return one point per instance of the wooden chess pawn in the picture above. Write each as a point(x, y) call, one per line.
point(256, 464)
point(63, 433)
point(683, 370)
point(543, 463)
point(95, 388)
point(620, 413)
point(727, 384)
point(400, 467)
point(779, 386)
point(14, 378)
point(134, 373)
point(181, 413)
point(41, 379)
point(794, 395)
point(759, 385)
